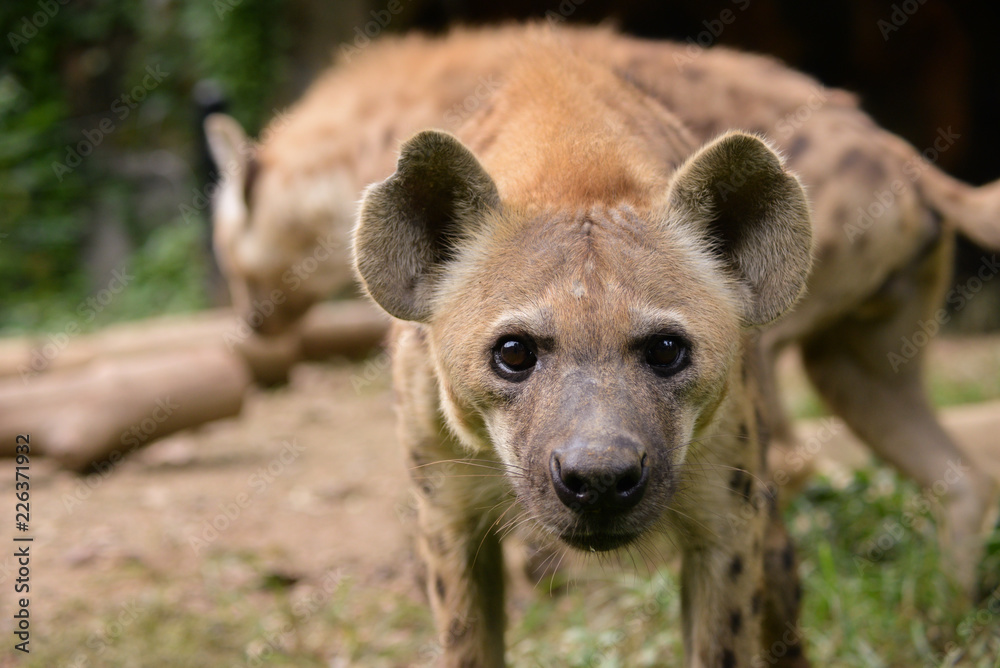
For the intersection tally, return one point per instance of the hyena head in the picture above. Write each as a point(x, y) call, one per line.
point(279, 235)
point(587, 347)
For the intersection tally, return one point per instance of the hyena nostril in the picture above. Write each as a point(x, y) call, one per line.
point(575, 484)
point(628, 481)
point(595, 478)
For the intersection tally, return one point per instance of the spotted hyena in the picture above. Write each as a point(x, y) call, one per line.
point(579, 291)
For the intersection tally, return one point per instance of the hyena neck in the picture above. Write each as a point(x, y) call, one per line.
point(729, 447)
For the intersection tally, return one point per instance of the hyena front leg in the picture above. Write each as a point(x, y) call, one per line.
point(464, 568)
point(782, 595)
point(718, 584)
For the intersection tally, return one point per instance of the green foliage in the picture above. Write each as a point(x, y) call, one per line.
point(61, 175)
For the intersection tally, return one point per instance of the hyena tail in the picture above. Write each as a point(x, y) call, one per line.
point(973, 211)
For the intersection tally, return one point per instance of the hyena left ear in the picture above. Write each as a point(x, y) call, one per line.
point(409, 224)
point(756, 216)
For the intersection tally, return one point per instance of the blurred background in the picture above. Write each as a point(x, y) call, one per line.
point(103, 164)
point(280, 537)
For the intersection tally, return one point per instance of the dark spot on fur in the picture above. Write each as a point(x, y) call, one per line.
point(736, 567)
point(744, 433)
point(755, 602)
point(728, 659)
point(763, 437)
point(840, 215)
point(823, 254)
point(797, 148)
point(439, 587)
point(737, 481)
point(693, 74)
point(737, 96)
point(788, 557)
point(735, 621)
point(872, 169)
point(771, 490)
point(747, 488)
point(487, 140)
point(850, 160)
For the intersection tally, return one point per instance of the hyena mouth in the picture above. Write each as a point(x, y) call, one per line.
point(593, 541)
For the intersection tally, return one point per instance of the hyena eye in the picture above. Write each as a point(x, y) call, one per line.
point(667, 354)
point(514, 357)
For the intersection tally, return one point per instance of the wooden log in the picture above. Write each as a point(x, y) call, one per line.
point(95, 398)
point(30, 357)
point(349, 328)
point(104, 410)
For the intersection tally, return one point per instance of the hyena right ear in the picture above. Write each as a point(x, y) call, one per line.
point(756, 217)
point(409, 223)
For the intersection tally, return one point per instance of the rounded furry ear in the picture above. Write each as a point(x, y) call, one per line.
point(409, 223)
point(756, 216)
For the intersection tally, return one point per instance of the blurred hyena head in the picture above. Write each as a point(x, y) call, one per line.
point(279, 226)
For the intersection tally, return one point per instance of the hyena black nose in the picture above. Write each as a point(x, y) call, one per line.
point(591, 477)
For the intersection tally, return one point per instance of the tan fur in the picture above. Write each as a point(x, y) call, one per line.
point(869, 287)
point(577, 214)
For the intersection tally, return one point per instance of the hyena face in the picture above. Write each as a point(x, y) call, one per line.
point(280, 236)
point(586, 348)
point(585, 351)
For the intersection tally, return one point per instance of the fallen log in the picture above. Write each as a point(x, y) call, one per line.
point(89, 400)
point(103, 411)
point(347, 328)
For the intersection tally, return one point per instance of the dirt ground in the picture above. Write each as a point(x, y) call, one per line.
point(306, 487)
point(307, 479)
